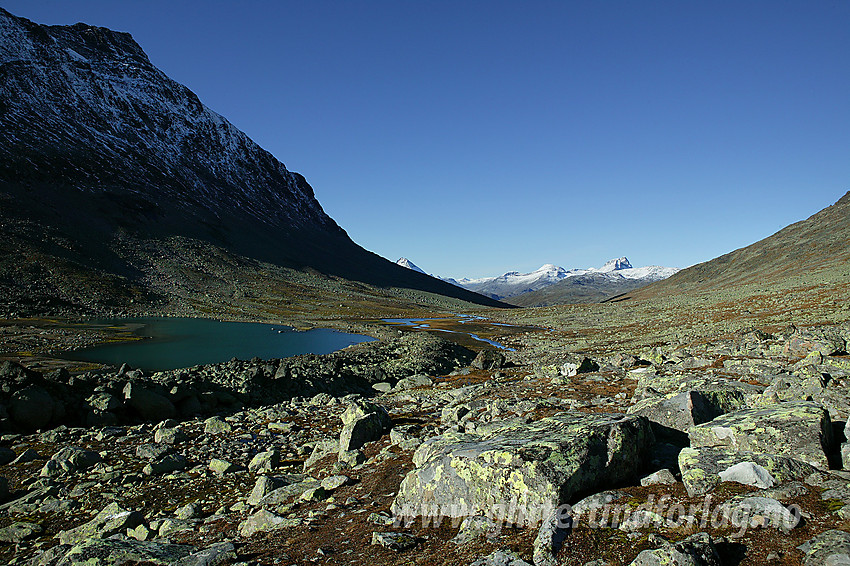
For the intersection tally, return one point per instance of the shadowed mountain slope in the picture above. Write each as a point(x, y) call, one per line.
point(103, 159)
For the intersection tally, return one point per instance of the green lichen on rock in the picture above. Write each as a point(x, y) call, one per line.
point(701, 467)
point(522, 469)
point(800, 430)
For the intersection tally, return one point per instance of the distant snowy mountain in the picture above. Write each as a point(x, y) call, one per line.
point(514, 283)
point(616, 265)
point(404, 262)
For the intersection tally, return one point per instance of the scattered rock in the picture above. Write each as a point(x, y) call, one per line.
point(696, 550)
point(661, 477)
point(362, 422)
point(830, 548)
point(394, 541)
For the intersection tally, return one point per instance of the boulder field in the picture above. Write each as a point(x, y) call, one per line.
point(729, 452)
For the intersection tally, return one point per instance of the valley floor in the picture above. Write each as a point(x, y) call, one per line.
point(290, 462)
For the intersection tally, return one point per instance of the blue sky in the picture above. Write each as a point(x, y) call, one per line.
point(481, 137)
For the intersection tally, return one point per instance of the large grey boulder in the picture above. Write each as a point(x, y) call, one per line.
point(800, 430)
point(150, 405)
point(115, 552)
point(519, 472)
point(71, 459)
point(704, 468)
point(34, 408)
point(696, 550)
point(676, 411)
point(362, 422)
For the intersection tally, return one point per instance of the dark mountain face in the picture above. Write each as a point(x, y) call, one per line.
point(99, 150)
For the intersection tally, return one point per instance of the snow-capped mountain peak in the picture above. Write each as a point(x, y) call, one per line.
point(404, 262)
point(514, 283)
point(616, 265)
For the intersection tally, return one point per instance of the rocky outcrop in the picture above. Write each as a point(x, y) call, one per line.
point(801, 430)
point(534, 467)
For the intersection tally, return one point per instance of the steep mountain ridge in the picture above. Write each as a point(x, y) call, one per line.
point(103, 158)
point(818, 247)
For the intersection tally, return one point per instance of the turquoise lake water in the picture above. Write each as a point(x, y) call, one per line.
point(183, 342)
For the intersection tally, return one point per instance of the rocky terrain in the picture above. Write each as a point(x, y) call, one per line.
point(415, 449)
point(702, 420)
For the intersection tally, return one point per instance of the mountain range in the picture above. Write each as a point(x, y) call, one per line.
point(551, 284)
point(118, 186)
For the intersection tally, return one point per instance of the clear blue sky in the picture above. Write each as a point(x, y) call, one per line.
point(480, 137)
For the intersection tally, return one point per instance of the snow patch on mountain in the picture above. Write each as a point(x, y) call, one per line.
point(515, 283)
point(404, 262)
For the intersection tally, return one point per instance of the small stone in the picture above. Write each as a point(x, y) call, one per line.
point(19, 532)
point(661, 477)
point(265, 461)
point(221, 467)
point(394, 541)
point(748, 473)
point(332, 483)
point(217, 425)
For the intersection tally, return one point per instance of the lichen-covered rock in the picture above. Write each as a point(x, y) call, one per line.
point(760, 512)
point(701, 467)
point(114, 552)
point(696, 550)
point(362, 422)
point(800, 430)
point(501, 558)
point(70, 460)
point(519, 472)
point(830, 548)
point(112, 519)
